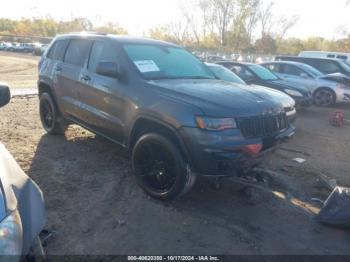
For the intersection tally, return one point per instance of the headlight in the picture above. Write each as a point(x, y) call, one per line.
point(293, 92)
point(11, 235)
point(215, 124)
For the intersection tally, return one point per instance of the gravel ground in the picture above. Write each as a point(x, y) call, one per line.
point(95, 206)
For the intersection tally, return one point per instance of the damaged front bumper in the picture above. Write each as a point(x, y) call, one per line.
point(226, 153)
point(343, 95)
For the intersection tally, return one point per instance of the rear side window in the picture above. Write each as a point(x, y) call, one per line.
point(57, 50)
point(328, 67)
point(342, 57)
point(274, 67)
point(78, 52)
point(292, 70)
point(102, 52)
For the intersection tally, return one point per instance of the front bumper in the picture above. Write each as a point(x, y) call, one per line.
point(224, 153)
point(343, 95)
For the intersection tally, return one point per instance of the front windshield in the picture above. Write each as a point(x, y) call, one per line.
point(224, 74)
point(263, 73)
point(311, 70)
point(164, 62)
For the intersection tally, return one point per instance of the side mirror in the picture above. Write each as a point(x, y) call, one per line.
point(109, 69)
point(5, 95)
point(304, 75)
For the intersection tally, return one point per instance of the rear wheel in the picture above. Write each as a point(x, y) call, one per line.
point(160, 169)
point(324, 97)
point(50, 117)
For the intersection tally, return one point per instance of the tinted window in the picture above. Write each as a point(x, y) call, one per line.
point(274, 67)
point(101, 52)
point(242, 72)
point(292, 70)
point(311, 70)
point(343, 57)
point(52, 50)
point(331, 56)
point(225, 74)
point(158, 62)
point(263, 73)
point(328, 67)
point(77, 52)
point(57, 50)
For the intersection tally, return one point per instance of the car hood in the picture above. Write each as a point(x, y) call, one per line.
point(289, 85)
point(286, 100)
point(220, 98)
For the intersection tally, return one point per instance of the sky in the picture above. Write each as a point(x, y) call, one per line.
point(317, 18)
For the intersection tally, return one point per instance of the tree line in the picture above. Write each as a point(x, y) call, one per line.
point(244, 26)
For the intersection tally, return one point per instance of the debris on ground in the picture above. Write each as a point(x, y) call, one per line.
point(327, 182)
point(336, 209)
point(299, 160)
point(337, 118)
point(294, 151)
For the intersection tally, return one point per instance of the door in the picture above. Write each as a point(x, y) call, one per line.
point(53, 69)
point(68, 77)
point(295, 74)
point(102, 96)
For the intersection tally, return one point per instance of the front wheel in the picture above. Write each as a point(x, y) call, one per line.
point(160, 169)
point(324, 97)
point(49, 115)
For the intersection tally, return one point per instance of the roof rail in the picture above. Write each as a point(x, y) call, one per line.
point(89, 33)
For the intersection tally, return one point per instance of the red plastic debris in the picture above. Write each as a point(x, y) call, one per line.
point(337, 118)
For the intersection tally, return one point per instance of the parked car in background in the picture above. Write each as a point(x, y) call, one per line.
point(326, 91)
point(324, 54)
point(39, 49)
point(225, 74)
point(160, 103)
point(324, 65)
point(22, 211)
point(259, 75)
point(213, 58)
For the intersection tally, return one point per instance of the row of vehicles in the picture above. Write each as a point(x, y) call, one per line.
point(325, 80)
point(34, 48)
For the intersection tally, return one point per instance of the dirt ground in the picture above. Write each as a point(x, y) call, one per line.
point(18, 70)
point(95, 207)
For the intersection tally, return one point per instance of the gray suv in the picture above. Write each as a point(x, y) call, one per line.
point(162, 104)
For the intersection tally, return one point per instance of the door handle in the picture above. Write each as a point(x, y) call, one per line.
point(58, 68)
point(86, 78)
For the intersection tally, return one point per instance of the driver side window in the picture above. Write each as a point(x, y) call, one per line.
point(292, 70)
point(242, 72)
point(101, 52)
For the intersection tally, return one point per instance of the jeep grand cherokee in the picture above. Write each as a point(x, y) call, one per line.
point(160, 103)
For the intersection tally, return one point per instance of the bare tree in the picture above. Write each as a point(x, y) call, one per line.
point(274, 26)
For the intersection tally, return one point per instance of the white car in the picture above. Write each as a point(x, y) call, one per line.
point(22, 210)
point(324, 54)
point(326, 89)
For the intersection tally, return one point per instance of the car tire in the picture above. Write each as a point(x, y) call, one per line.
point(50, 117)
point(160, 169)
point(324, 97)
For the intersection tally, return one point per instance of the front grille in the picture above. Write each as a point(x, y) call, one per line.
point(262, 126)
